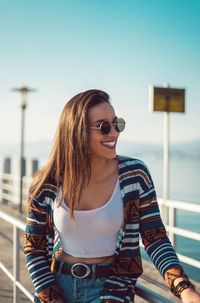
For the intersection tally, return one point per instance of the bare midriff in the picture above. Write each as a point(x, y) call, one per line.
point(70, 259)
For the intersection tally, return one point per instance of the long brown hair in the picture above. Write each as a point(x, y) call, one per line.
point(69, 161)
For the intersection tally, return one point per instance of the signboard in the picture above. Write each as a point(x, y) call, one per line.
point(167, 99)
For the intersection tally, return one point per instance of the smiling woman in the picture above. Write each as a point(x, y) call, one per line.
point(104, 133)
point(88, 208)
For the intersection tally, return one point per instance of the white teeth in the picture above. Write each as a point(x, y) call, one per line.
point(111, 144)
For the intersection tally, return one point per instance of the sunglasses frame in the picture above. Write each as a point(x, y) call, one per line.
point(114, 124)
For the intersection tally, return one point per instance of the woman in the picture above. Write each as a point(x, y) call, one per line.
point(87, 208)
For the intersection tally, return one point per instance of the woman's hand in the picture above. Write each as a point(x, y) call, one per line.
point(190, 295)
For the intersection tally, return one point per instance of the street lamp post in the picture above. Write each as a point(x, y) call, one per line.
point(23, 92)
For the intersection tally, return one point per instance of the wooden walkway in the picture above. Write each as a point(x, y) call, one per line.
point(6, 291)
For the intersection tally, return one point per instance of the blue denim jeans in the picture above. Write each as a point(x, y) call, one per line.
point(75, 290)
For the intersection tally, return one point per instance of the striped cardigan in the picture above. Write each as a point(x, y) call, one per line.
point(141, 218)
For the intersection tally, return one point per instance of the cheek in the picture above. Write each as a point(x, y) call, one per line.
point(95, 141)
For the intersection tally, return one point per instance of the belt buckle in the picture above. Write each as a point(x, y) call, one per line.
point(86, 268)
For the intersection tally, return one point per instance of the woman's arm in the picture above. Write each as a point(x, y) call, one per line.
point(37, 238)
point(185, 290)
point(190, 296)
point(156, 242)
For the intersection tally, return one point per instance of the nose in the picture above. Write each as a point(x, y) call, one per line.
point(113, 131)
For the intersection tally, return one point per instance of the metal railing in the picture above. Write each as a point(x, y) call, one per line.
point(9, 185)
point(149, 295)
point(141, 291)
point(9, 188)
point(15, 277)
point(174, 231)
point(9, 192)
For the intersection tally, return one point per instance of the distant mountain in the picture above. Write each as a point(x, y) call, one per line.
point(188, 149)
point(32, 150)
point(138, 149)
point(41, 150)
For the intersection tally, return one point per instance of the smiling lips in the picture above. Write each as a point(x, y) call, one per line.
point(109, 144)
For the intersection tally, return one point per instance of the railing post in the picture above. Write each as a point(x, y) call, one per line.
point(6, 170)
point(172, 223)
point(16, 249)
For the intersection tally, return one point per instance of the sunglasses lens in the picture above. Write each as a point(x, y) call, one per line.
point(105, 127)
point(120, 124)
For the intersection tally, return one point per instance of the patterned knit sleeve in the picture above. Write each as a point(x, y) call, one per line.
point(36, 253)
point(153, 233)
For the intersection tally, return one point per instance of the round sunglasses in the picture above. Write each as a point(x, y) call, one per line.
point(105, 126)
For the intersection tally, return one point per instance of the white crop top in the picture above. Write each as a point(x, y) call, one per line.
point(94, 232)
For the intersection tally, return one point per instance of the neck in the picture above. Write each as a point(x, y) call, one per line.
point(99, 168)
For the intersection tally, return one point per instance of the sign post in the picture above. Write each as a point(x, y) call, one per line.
point(166, 100)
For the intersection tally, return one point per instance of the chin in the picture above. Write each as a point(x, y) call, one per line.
point(111, 155)
point(108, 155)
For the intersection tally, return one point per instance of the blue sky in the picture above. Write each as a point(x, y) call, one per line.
point(63, 47)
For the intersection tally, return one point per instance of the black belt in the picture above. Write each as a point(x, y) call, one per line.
point(82, 270)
